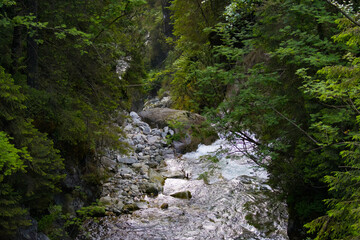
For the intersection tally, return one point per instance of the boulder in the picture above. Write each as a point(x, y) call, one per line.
point(129, 208)
point(107, 200)
point(182, 195)
point(160, 117)
point(30, 232)
point(108, 163)
point(191, 129)
point(150, 189)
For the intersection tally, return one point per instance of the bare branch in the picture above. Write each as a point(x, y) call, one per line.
point(344, 13)
point(297, 126)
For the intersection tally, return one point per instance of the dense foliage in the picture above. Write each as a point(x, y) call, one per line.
point(282, 76)
point(59, 95)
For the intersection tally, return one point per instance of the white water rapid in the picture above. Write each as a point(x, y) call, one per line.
point(227, 198)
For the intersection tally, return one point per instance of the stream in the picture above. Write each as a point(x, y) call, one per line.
point(222, 196)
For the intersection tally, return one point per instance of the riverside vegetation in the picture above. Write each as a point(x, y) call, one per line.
point(281, 76)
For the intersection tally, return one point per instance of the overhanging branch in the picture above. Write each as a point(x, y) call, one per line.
point(344, 13)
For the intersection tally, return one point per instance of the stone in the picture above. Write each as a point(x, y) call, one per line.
point(151, 190)
point(152, 164)
point(119, 205)
point(164, 206)
point(134, 115)
point(127, 160)
point(134, 188)
point(153, 139)
point(160, 117)
point(128, 128)
point(139, 147)
point(142, 205)
point(108, 163)
point(145, 129)
point(163, 102)
point(182, 195)
point(127, 176)
point(129, 208)
point(137, 165)
point(139, 138)
point(164, 134)
point(168, 151)
point(158, 158)
point(156, 177)
point(145, 158)
point(107, 200)
point(156, 132)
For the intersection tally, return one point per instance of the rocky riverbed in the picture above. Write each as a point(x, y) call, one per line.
point(207, 194)
point(135, 174)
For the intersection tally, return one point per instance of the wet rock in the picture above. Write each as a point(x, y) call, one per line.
point(134, 115)
point(142, 205)
point(129, 208)
point(145, 129)
point(164, 206)
point(151, 190)
point(127, 160)
point(182, 195)
point(156, 177)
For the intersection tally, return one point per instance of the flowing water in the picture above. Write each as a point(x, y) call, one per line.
point(229, 200)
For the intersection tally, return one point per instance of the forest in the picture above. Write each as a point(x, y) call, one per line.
point(280, 75)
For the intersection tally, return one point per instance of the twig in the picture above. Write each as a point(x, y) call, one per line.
point(293, 123)
point(344, 13)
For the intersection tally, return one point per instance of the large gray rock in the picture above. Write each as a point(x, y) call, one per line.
point(182, 195)
point(190, 128)
point(108, 163)
point(30, 233)
point(160, 117)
